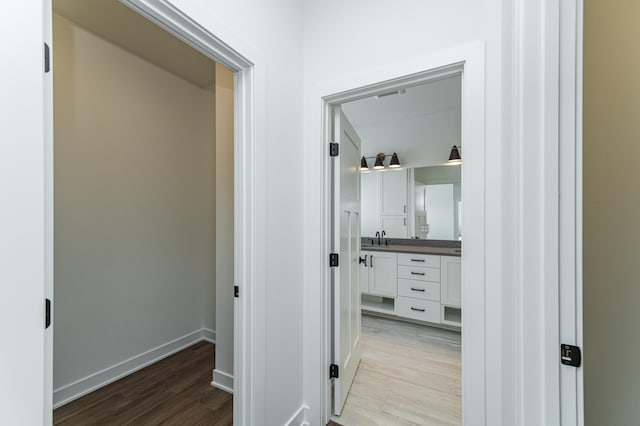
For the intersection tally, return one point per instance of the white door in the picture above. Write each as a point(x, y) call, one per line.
point(439, 203)
point(346, 242)
point(25, 216)
point(394, 226)
point(394, 192)
point(383, 279)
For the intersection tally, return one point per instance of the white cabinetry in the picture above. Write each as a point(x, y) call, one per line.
point(451, 281)
point(369, 204)
point(380, 275)
point(451, 290)
point(384, 203)
point(416, 286)
point(394, 193)
point(393, 226)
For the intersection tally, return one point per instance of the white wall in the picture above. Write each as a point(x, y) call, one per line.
point(134, 211)
point(347, 38)
point(611, 277)
point(224, 225)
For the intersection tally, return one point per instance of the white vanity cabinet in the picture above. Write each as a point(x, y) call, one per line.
point(451, 281)
point(393, 193)
point(380, 275)
point(384, 203)
point(393, 226)
point(422, 287)
point(369, 204)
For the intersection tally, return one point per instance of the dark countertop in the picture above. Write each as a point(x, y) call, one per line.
point(440, 251)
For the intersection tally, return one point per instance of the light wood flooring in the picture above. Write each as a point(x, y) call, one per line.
point(409, 375)
point(174, 391)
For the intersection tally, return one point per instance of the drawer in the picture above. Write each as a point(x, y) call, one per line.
point(426, 260)
point(419, 309)
point(419, 289)
point(417, 273)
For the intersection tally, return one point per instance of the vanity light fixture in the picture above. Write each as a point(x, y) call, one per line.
point(394, 163)
point(363, 164)
point(454, 157)
point(379, 163)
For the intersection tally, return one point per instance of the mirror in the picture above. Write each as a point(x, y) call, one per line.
point(418, 203)
point(437, 202)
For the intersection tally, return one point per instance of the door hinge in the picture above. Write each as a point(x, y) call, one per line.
point(334, 371)
point(334, 149)
point(47, 313)
point(236, 291)
point(570, 355)
point(47, 65)
point(333, 260)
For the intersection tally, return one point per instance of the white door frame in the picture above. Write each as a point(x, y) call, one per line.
point(249, 307)
point(469, 60)
point(570, 187)
point(546, 122)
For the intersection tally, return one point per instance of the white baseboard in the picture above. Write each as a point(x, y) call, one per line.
point(208, 335)
point(75, 390)
point(299, 418)
point(222, 380)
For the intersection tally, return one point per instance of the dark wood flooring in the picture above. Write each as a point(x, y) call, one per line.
point(174, 391)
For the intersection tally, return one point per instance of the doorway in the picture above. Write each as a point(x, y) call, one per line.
point(404, 364)
point(467, 62)
point(174, 21)
point(143, 201)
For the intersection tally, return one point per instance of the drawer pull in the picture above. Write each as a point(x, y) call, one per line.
point(417, 309)
point(417, 273)
point(417, 289)
point(417, 260)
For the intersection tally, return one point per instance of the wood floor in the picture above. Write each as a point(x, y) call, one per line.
point(174, 391)
point(409, 375)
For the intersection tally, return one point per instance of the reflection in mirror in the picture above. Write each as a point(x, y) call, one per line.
point(419, 203)
point(437, 201)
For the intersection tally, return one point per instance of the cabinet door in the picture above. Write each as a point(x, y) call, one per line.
point(394, 226)
point(451, 281)
point(394, 192)
point(364, 271)
point(383, 277)
point(370, 200)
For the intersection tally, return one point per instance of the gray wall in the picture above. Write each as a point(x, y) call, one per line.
point(611, 212)
point(134, 211)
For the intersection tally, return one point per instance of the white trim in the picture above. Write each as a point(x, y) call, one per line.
point(468, 58)
point(228, 49)
point(299, 417)
point(48, 211)
point(67, 393)
point(222, 380)
point(547, 283)
point(571, 379)
point(208, 335)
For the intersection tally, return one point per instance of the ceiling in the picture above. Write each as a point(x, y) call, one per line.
point(427, 99)
point(420, 125)
point(123, 27)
